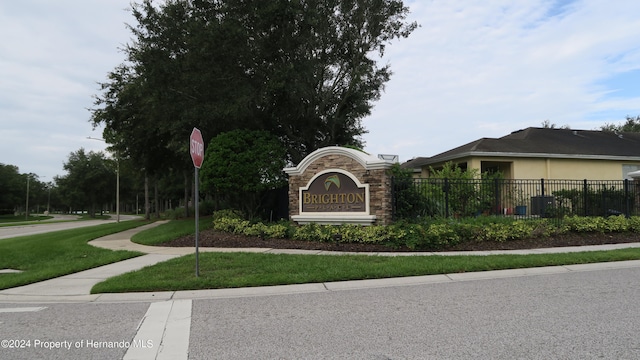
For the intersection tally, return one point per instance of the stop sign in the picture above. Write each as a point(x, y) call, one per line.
point(196, 144)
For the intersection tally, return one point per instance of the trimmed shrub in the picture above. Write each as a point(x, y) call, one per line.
point(277, 231)
point(227, 213)
point(633, 223)
point(232, 225)
point(616, 224)
point(313, 232)
point(426, 235)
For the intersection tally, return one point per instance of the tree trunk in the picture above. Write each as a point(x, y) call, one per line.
point(147, 213)
point(186, 194)
point(193, 193)
point(156, 200)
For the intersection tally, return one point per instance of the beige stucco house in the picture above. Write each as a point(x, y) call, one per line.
point(545, 153)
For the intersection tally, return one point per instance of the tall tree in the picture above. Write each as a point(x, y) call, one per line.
point(548, 125)
point(241, 166)
point(303, 70)
point(318, 75)
point(12, 189)
point(90, 181)
point(630, 125)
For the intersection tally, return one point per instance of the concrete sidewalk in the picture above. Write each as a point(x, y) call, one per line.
point(76, 287)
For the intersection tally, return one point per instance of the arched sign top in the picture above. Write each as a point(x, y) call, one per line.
point(323, 173)
point(369, 162)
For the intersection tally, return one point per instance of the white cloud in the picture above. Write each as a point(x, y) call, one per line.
point(472, 70)
point(52, 56)
point(486, 70)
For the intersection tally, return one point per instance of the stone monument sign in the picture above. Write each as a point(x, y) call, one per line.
point(338, 185)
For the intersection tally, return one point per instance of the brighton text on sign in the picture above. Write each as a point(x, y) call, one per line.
point(333, 192)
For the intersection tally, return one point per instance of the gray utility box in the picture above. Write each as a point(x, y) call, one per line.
point(540, 203)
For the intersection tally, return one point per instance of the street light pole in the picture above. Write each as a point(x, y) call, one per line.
point(118, 190)
point(49, 199)
point(117, 181)
point(26, 209)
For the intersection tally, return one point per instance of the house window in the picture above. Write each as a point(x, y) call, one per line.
point(626, 169)
point(494, 167)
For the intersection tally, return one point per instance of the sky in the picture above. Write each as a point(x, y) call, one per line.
point(472, 69)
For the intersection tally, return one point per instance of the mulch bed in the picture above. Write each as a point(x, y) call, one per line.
point(212, 238)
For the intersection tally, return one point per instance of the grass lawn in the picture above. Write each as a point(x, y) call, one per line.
point(170, 231)
point(229, 270)
point(45, 256)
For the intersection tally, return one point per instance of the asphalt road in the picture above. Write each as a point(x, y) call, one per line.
point(44, 226)
point(573, 315)
point(587, 315)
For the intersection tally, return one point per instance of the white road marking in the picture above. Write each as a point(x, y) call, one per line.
point(166, 326)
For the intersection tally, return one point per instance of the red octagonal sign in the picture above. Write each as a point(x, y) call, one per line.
point(196, 144)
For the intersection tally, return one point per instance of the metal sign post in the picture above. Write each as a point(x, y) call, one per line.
point(196, 147)
point(197, 196)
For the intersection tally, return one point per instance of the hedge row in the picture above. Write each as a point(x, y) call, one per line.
point(428, 235)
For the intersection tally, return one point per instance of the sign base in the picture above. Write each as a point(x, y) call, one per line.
point(334, 219)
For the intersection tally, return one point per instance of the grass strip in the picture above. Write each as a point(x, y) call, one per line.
point(171, 230)
point(232, 270)
point(45, 256)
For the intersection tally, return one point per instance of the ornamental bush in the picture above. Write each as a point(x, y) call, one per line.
point(232, 225)
point(440, 235)
point(616, 224)
point(601, 224)
point(257, 229)
point(227, 213)
point(429, 234)
point(313, 232)
point(633, 224)
point(277, 231)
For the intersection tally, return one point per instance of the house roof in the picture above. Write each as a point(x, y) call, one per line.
point(545, 142)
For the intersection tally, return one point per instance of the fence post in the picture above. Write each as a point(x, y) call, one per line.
point(585, 197)
point(446, 197)
point(627, 209)
point(603, 199)
point(543, 204)
point(497, 208)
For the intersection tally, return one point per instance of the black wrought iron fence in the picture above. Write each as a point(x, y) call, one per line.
point(518, 198)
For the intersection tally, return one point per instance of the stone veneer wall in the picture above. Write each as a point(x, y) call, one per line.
point(379, 184)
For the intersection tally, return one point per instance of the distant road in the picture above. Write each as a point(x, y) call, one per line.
point(45, 227)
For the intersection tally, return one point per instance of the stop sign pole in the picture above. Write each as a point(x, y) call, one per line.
point(196, 146)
